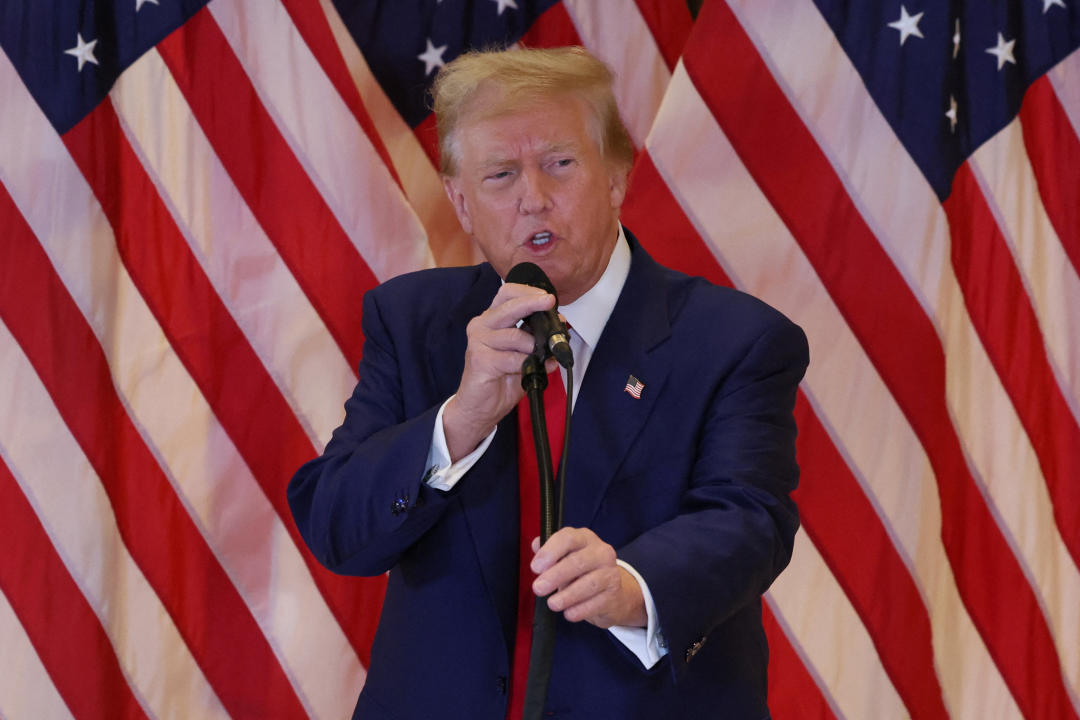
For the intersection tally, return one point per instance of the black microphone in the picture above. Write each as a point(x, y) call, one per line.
point(548, 330)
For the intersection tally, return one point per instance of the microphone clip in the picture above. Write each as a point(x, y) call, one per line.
point(533, 377)
point(552, 341)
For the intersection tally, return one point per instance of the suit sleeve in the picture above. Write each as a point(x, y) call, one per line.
point(363, 502)
point(736, 524)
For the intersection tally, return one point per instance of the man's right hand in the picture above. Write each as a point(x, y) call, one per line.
point(491, 383)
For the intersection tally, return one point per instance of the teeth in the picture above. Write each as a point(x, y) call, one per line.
point(541, 238)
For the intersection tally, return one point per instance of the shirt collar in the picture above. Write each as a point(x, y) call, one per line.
point(589, 313)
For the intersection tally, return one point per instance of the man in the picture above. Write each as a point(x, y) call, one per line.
point(677, 507)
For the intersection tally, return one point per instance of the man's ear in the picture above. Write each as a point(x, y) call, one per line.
point(619, 178)
point(457, 198)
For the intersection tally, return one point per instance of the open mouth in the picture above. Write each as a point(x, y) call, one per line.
point(540, 239)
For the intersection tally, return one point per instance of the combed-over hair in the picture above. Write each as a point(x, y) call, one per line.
point(519, 77)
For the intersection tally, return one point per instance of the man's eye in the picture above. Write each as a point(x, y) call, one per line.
point(564, 162)
point(499, 175)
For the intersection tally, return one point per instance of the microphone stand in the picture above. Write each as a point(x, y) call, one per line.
point(534, 381)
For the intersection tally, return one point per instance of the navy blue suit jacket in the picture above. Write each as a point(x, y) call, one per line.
point(691, 484)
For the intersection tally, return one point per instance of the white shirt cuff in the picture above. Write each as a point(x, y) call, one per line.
point(442, 474)
point(646, 643)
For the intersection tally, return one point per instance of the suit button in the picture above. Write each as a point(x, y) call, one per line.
point(500, 684)
point(400, 504)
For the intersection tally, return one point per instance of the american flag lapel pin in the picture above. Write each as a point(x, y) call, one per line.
point(634, 387)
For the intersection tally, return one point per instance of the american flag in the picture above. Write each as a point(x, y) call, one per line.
point(903, 180)
point(634, 387)
point(194, 196)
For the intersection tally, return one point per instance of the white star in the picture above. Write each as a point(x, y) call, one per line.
point(503, 4)
point(432, 57)
point(84, 51)
point(1048, 3)
point(140, 3)
point(1003, 51)
point(956, 39)
point(907, 25)
point(951, 114)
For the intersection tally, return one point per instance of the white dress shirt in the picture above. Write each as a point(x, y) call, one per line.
point(587, 317)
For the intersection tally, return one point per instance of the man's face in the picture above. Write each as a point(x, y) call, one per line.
point(532, 186)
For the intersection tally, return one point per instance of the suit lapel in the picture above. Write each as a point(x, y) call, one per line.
point(488, 497)
point(447, 340)
point(607, 420)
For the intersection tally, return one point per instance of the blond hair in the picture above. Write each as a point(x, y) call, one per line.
point(519, 77)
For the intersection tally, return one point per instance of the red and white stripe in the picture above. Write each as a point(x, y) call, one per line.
point(25, 687)
point(77, 531)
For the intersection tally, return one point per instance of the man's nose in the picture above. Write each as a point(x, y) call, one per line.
point(535, 192)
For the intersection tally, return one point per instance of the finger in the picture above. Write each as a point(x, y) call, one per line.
point(510, 289)
point(510, 338)
point(592, 595)
point(595, 611)
point(502, 362)
point(573, 566)
point(535, 544)
point(514, 309)
point(563, 541)
point(596, 582)
point(565, 572)
point(508, 312)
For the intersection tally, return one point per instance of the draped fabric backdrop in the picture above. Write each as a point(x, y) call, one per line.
point(194, 197)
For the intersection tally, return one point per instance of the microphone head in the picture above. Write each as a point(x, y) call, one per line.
point(548, 330)
point(527, 273)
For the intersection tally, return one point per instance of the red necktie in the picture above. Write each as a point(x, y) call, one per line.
point(529, 491)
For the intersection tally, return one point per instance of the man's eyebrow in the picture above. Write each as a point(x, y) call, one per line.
point(498, 162)
point(494, 165)
point(561, 147)
point(495, 162)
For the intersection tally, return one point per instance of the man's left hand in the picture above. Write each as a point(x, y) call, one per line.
point(580, 569)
